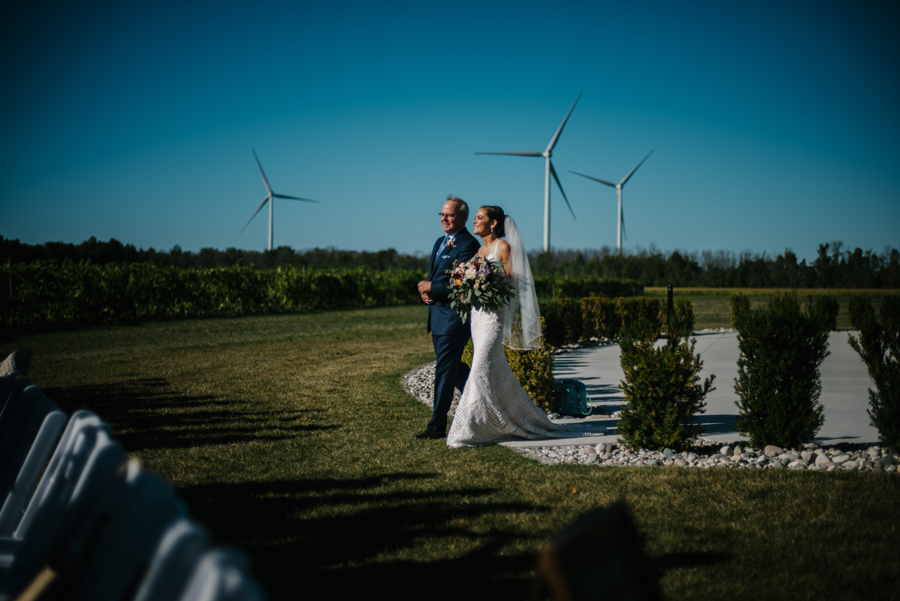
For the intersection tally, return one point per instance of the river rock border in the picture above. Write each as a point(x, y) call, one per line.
point(703, 454)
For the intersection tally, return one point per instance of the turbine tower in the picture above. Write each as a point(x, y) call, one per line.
point(620, 229)
point(269, 199)
point(548, 171)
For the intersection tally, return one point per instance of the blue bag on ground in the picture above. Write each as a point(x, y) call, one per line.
point(572, 398)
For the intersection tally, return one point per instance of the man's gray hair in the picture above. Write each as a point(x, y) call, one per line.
point(463, 210)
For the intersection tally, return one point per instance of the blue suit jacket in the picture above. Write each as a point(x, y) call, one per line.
point(442, 319)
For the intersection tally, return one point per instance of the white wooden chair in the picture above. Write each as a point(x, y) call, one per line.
point(179, 550)
point(28, 436)
point(221, 575)
point(80, 476)
point(13, 384)
point(118, 537)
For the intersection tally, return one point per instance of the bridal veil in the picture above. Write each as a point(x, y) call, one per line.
point(522, 316)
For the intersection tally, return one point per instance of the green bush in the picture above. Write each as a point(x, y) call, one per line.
point(632, 310)
point(740, 307)
point(879, 347)
point(684, 314)
point(588, 286)
point(662, 388)
point(599, 318)
point(571, 321)
point(573, 318)
point(533, 370)
point(47, 293)
point(778, 382)
point(824, 309)
point(890, 314)
point(554, 331)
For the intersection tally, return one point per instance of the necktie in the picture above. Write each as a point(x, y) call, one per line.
point(443, 246)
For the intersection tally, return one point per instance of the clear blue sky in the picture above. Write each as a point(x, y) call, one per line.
point(773, 125)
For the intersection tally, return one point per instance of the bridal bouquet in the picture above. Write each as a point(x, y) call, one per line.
point(479, 283)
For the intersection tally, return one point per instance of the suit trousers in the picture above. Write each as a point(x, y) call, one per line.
point(449, 373)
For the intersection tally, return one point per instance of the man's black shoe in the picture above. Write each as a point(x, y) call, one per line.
point(429, 433)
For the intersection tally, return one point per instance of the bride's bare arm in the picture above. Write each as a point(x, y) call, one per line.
point(503, 254)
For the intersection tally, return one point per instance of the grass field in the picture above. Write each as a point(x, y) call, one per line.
point(711, 308)
point(290, 437)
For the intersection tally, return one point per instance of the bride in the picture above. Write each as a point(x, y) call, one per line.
point(494, 406)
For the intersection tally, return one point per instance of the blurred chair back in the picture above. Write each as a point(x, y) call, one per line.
point(179, 550)
point(30, 431)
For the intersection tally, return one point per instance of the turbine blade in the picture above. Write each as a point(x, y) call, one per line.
point(622, 216)
point(263, 173)
point(265, 200)
point(627, 177)
point(293, 197)
point(602, 181)
point(559, 185)
point(561, 126)
point(518, 154)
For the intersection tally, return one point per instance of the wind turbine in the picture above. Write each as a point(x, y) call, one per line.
point(620, 229)
point(548, 171)
point(270, 198)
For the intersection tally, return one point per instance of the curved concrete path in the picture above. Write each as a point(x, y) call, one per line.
point(845, 396)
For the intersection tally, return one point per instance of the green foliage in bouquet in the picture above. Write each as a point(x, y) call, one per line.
point(778, 382)
point(878, 345)
point(663, 393)
point(479, 283)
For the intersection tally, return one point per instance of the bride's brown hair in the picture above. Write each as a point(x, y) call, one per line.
point(495, 213)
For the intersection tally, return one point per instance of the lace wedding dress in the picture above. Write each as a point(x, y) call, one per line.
point(494, 406)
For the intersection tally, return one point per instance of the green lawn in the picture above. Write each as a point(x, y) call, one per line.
point(290, 437)
point(711, 309)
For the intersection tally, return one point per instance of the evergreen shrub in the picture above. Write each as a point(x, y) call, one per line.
point(632, 310)
point(663, 393)
point(599, 318)
point(778, 382)
point(684, 314)
point(572, 319)
point(740, 307)
point(878, 345)
point(555, 331)
point(824, 309)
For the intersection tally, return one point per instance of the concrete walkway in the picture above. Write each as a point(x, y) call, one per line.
point(845, 396)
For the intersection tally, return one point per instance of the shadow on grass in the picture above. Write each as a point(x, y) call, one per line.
point(674, 561)
point(354, 537)
point(146, 413)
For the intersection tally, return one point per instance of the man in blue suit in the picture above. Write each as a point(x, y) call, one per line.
point(448, 333)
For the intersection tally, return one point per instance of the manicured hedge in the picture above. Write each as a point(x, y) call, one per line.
point(550, 287)
point(47, 293)
point(570, 321)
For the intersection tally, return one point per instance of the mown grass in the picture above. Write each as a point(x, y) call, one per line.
point(290, 437)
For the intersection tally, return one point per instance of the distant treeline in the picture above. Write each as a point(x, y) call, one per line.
point(103, 253)
point(834, 267)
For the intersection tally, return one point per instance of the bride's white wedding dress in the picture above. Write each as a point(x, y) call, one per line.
point(494, 406)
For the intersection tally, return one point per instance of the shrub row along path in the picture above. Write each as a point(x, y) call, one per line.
point(845, 397)
point(845, 385)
